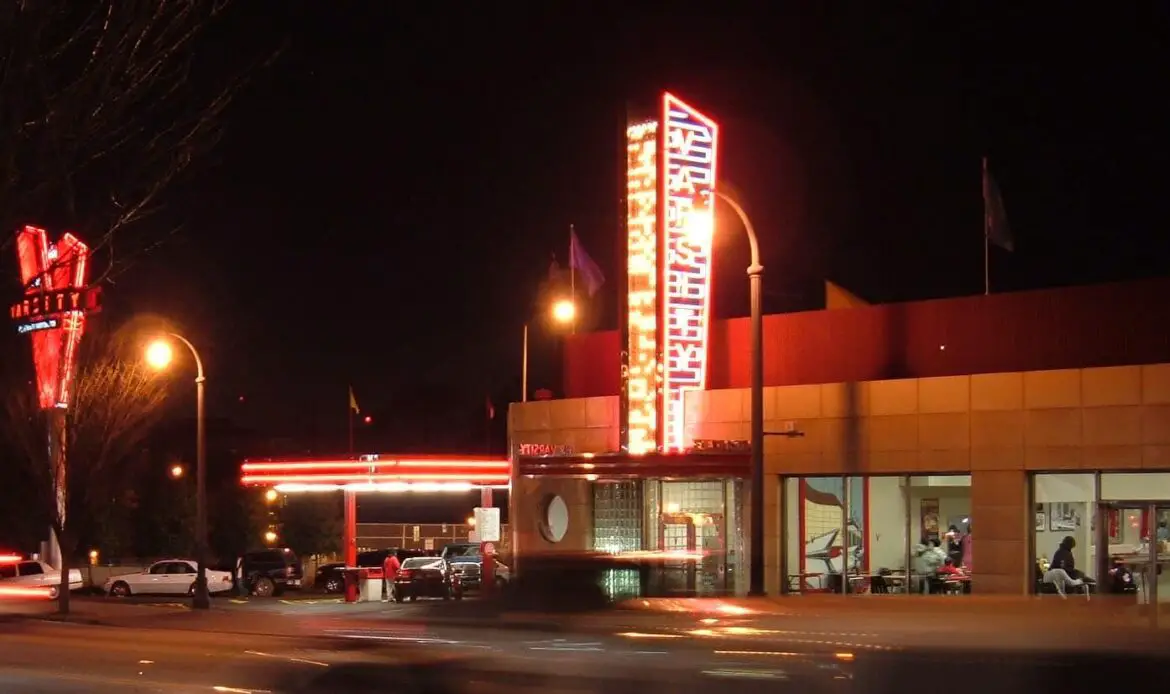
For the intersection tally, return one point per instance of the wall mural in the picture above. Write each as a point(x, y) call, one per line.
point(825, 553)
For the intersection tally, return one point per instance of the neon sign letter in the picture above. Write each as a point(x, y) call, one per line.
point(690, 143)
point(642, 386)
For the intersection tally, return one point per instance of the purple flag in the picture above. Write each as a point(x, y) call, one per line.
point(580, 261)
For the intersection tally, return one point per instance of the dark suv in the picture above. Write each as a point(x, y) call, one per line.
point(330, 579)
point(272, 571)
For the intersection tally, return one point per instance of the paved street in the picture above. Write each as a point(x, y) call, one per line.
point(325, 645)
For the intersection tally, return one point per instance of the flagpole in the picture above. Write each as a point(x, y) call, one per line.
point(573, 279)
point(524, 367)
point(986, 237)
point(349, 406)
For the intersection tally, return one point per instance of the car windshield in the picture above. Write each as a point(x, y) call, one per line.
point(461, 551)
point(423, 563)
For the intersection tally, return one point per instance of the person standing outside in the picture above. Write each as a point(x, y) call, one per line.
point(390, 567)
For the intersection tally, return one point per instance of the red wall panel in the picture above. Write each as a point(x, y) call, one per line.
point(1099, 325)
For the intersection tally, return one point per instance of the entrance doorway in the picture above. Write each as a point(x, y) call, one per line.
point(1135, 536)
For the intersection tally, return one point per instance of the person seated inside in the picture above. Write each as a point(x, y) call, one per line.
point(949, 569)
point(1062, 570)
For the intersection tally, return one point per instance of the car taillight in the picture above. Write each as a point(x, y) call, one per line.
point(404, 573)
point(289, 571)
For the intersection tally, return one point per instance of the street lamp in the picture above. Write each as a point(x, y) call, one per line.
point(702, 226)
point(159, 355)
point(271, 495)
point(564, 312)
point(176, 471)
point(270, 536)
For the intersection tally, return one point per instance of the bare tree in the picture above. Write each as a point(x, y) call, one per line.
point(116, 400)
point(102, 108)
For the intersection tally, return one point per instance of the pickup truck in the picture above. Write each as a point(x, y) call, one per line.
point(32, 578)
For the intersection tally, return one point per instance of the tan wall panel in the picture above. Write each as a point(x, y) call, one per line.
point(997, 429)
point(1056, 427)
point(944, 394)
point(1004, 391)
point(1000, 550)
point(1156, 424)
point(1156, 384)
point(1114, 385)
point(944, 431)
point(791, 402)
point(1111, 426)
point(528, 497)
point(1048, 389)
point(893, 397)
point(1111, 457)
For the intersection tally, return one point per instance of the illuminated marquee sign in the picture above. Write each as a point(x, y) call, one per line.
point(53, 309)
point(670, 163)
point(689, 148)
point(642, 373)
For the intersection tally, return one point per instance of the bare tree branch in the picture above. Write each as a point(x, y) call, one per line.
point(102, 109)
point(116, 401)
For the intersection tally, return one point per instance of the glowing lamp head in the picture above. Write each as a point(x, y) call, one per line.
point(270, 536)
point(159, 354)
point(700, 226)
point(471, 521)
point(177, 471)
point(368, 419)
point(271, 495)
point(564, 311)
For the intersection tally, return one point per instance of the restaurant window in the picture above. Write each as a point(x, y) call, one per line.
point(1065, 512)
point(877, 535)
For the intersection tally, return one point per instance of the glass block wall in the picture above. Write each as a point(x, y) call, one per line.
point(617, 516)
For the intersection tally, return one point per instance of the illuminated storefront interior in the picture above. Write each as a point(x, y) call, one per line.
point(1115, 519)
point(861, 535)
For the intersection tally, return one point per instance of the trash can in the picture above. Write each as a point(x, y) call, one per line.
point(351, 584)
point(371, 585)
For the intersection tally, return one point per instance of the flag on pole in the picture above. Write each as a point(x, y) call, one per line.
point(580, 262)
point(353, 402)
point(491, 409)
point(995, 224)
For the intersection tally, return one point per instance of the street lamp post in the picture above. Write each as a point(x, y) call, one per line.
point(564, 312)
point(159, 355)
point(755, 274)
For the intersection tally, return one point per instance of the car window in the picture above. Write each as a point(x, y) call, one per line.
point(423, 563)
point(266, 557)
point(160, 568)
point(30, 568)
point(7, 571)
point(461, 551)
point(179, 567)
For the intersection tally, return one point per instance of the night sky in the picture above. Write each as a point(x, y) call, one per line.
point(384, 204)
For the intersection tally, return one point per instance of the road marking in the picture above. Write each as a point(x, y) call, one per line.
point(240, 690)
point(288, 658)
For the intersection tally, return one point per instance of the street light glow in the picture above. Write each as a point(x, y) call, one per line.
point(177, 471)
point(700, 226)
point(271, 495)
point(159, 354)
point(564, 311)
point(270, 536)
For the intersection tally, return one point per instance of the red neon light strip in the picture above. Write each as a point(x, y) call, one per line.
point(279, 479)
point(10, 558)
point(374, 464)
point(24, 592)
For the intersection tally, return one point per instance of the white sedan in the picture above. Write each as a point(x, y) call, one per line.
point(32, 578)
point(167, 577)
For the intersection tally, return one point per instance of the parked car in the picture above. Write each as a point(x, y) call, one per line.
point(427, 577)
point(467, 563)
point(30, 573)
point(167, 577)
point(270, 572)
point(330, 577)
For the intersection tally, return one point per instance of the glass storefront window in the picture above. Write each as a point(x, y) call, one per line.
point(1114, 526)
point(878, 534)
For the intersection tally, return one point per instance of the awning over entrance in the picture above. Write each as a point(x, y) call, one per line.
point(612, 466)
point(378, 473)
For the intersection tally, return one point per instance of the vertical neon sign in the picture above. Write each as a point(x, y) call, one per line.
point(642, 378)
point(46, 268)
point(689, 145)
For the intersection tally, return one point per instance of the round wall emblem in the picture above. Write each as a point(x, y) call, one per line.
point(554, 518)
